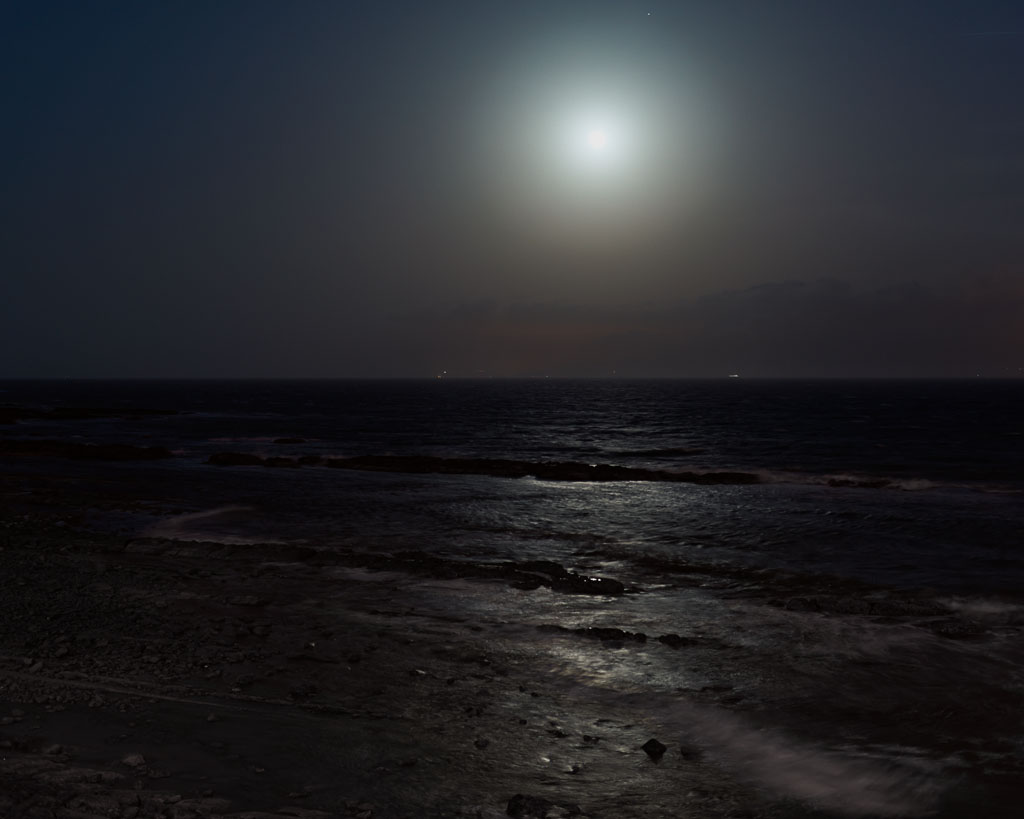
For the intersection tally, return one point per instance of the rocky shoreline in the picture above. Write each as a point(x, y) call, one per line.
point(146, 671)
point(158, 678)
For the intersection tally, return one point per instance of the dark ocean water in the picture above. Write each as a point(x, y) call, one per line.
point(904, 482)
point(863, 594)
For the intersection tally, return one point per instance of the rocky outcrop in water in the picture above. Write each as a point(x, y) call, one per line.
point(235, 459)
point(526, 575)
point(543, 470)
point(492, 467)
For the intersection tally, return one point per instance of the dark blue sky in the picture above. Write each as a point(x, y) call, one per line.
point(358, 189)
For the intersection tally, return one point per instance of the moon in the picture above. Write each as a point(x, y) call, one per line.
point(597, 139)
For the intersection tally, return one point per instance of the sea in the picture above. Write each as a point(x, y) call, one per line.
point(842, 560)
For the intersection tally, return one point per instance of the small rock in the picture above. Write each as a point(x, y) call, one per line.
point(654, 749)
point(690, 753)
point(53, 750)
point(134, 760)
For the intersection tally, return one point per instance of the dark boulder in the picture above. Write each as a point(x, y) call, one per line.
point(654, 749)
point(580, 584)
point(605, 633)
point(280, 461)
point(675, 641)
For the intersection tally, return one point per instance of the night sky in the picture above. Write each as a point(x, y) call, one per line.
point(333, 189)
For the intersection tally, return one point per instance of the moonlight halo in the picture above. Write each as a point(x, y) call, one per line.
point(588, 149)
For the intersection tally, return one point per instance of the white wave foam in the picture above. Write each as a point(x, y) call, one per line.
point(987, 610)
point(827, 779)
point(841, 778)
point(210, 525)
point(847, 780)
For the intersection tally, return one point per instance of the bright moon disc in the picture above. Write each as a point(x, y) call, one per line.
point(597, 139)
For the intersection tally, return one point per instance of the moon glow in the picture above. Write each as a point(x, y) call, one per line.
point(583, 147)
point(597, 139)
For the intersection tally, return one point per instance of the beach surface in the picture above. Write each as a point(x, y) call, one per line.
point(335, 600)
point(149, 676)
